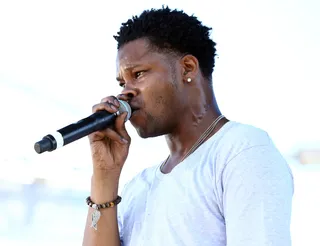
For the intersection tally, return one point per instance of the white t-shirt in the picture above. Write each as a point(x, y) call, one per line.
point(236, 190)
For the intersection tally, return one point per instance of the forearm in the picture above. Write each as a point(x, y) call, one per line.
point(107, 233)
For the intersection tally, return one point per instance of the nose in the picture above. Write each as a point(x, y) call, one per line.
point(127, 94)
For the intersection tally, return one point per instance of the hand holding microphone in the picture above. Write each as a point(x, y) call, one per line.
point(105, 128)
point(110, 146)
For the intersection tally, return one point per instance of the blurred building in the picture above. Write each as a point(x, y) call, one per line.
point(308, 155)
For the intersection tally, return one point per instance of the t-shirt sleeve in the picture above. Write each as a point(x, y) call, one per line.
point(120, 226)
point(257, 198)
point(120, 229)
point(120, 213)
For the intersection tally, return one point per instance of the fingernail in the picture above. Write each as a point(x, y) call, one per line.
point(113, 107)
point(116, 102)
point(124, 140)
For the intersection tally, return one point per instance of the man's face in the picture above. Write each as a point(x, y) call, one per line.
point(150, 79)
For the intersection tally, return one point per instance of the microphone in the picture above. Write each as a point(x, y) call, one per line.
point(95, 122)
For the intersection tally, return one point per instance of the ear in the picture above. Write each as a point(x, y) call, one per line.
point(190, 67)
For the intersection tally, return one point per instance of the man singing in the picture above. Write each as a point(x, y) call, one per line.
point(223, 183)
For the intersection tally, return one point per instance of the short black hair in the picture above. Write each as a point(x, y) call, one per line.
point(172, 31)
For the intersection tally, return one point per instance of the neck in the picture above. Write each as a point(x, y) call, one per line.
point(192, 125)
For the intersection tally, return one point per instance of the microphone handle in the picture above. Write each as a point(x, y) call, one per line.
point(95, 122)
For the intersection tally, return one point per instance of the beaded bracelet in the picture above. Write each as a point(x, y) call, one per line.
point(96, 213)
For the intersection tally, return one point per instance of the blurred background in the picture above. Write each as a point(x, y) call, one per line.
point(57, 59)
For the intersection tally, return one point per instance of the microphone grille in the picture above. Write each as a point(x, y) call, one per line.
point(125, 107)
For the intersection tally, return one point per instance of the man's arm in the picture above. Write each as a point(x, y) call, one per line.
point(109, 151)
point(107, 233)
point(257, 198)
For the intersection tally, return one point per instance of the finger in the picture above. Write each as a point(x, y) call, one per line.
point(105, 106)
point(96, 136)
point(107, 134)
point(111, 99)
point(113, 135)
point(119, 126)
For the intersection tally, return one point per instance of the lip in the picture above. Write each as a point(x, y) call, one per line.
point(134, 107)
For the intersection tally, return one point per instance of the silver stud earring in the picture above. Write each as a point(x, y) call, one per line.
point(189, 80)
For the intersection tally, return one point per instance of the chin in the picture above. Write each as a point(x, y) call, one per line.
point(144, 133)
point(147, 127)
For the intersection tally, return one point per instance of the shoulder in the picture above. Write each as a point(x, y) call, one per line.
point(234, 138)
point(249, 152)
point(240, 138)
point(239, 146)
point(244, 135)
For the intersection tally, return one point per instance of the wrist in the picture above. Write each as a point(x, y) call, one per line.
point(103, 175)
point(104, 189)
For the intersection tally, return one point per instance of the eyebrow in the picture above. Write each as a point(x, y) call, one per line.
point(128, 67)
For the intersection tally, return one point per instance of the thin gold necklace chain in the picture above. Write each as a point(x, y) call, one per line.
point(200, 140)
